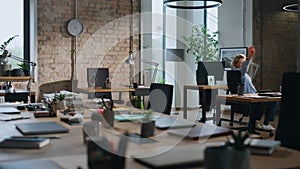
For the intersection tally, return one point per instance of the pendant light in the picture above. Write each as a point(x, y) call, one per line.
point(192, 4)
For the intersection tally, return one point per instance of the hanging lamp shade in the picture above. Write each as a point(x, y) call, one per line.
point(192, 4)
point(291, 8)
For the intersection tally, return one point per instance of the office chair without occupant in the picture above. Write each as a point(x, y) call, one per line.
point(289, 115)
point(17, 97)
point(96, 78)
point(160, 98)
point(233, 80)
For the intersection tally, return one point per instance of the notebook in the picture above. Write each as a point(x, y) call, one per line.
point(36, 164)
point(25, 142)
point(9, 110)
point(200, 131)
point(169, 122)
point(176, 157)
point(50, 127)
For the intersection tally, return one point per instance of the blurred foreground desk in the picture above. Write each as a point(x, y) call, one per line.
point(203, 88)
point(70, 152)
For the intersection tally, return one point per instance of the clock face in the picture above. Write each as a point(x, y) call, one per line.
point(75, 27)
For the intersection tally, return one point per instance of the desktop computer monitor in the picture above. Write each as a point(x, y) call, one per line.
point(206, 68)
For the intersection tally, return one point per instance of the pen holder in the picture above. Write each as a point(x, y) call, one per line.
point(101, 153)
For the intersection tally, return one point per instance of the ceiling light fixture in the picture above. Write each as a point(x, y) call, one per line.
point(192, 4)
point(291, 8)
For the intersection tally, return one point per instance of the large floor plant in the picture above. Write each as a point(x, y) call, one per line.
point(202, 44)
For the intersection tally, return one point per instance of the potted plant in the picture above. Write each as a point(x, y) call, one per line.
point(239, 153)
point(148, 124)
point(233, 155)
point(4, 67)
point(25, 67)
point(61, 103)
point(202, 44)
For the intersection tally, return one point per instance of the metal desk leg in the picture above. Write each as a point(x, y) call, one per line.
point(185, 103)
point(203, 118)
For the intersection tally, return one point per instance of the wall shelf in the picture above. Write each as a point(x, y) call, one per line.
point(14, 78)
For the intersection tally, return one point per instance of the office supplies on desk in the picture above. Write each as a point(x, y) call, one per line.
point(176, 157)
point(9, 110)
point(25, 142)
point(169, 122)
point(270, 94)
point(49, 127)
point(200, 131)
point(263, 147)
point(9, 117)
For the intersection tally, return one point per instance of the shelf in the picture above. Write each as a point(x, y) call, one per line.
point(17, 78)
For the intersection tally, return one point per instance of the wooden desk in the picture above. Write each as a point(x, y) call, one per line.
point(70, 152)
point(91, 91)
point(198, 87)
point(247, 99)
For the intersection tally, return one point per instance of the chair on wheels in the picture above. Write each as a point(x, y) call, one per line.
point(233, 80)
point(160, 98)
point(289, 112)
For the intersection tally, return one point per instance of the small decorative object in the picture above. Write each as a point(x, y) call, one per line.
point(61, 103)
point(105, 114)
point(53, 108)
point(148, 124)
point(240, 89)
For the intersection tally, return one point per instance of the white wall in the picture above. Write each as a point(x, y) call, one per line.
point(235, 23)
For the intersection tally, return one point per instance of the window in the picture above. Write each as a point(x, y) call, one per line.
point(16, 24)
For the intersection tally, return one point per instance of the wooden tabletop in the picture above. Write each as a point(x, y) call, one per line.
point(251, 98)
point(205, 87)
point(114, 89)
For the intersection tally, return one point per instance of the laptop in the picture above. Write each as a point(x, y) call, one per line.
point(200, 131)
point(9, 110)
point(49, 127)
point(169, 122)
point(176, 157)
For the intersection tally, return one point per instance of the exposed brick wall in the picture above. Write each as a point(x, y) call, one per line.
point(103, 43)
point(275, 38)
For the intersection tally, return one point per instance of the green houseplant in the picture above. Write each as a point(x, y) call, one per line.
point(202, 44)
point(61, 103)
point(25, 67)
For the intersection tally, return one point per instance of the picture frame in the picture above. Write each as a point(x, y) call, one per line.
point(227, 54)
point(211, 80)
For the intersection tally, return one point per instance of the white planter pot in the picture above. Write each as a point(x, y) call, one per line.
point(61, 105)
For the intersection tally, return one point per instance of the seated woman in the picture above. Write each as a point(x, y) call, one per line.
point(241, 63)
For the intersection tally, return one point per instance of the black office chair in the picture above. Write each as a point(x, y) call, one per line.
point(160, 98)
point(96, 77)
point(289, 115)
point(233, 80)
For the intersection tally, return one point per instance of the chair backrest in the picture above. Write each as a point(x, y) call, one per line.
point(160, 98)
point(233, 79)
point(289, 115)
point(17, 97)
point(96, 77)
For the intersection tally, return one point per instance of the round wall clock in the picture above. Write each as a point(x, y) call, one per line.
point(75, 27)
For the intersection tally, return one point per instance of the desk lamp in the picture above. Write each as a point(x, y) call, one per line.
point(4, 59)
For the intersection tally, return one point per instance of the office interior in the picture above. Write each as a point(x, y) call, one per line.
point(115, 30)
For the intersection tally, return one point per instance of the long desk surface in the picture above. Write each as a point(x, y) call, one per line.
point(70, 152)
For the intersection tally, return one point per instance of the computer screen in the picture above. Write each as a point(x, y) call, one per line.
point(206, 68)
